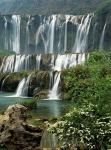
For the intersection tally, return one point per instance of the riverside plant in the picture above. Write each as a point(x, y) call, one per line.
point(84, 127)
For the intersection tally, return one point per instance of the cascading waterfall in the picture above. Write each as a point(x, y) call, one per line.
point(16, 19)
point(80, 44)
point(50, 34)
point(101, 45)
point(62, 62)
point(17, 63)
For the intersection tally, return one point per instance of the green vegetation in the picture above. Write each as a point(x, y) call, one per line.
point(6, 52)
point(88, 124)
point(104, 8)
point(85, 128)
point(30, 104)
point(89, 83)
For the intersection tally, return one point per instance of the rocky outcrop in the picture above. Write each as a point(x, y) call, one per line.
point(15, 133)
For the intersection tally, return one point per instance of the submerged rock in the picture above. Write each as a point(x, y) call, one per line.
point(15, 133)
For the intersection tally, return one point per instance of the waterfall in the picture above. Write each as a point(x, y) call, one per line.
point(6, 40)
point(17, 63)
point(65, 37)
point(22, 89)
point(56, 63)
point(28, 34)
point(16, 19)
point(53, 94)
point(80, 44)
point(62, 62)
point(46, 34)
point(51, 34)
point(7, 64)
point(101, 45)
point(38, 59)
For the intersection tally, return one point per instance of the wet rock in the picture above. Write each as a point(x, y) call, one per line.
point(15, 133)
point(41, 95)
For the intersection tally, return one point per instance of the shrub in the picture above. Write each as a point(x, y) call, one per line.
point(86, 126)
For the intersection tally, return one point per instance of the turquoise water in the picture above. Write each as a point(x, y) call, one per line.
point(45, 108)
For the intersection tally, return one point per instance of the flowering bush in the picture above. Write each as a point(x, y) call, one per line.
point(86, 126)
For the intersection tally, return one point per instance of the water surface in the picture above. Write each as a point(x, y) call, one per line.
point(45, 108)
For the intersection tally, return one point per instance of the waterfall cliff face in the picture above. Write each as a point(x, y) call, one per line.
point(17, 63)
point(16, 33)
point(49, 34)
point(49, 44)
point(52, 64)
point(80, 44)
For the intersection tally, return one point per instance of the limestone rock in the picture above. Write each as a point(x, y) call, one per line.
point(15, 133)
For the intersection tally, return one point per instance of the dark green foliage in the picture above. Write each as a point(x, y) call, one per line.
point(104, 9)
point(90, 82)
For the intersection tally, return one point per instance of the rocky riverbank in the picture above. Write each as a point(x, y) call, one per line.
point(16, 133)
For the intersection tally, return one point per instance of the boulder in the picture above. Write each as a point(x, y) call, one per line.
point(15, 133)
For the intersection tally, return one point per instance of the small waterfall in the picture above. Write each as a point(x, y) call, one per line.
point(53, 94)
point(28, 34)
point(38, 59)
point(6, 40)
point(22, 89)
point(101, 45)
point(16, 19)
point(80, 44)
